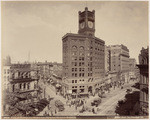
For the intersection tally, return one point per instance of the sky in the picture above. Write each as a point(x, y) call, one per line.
point(36, 29)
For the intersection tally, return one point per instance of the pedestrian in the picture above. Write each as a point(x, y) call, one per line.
point(82, 102)
point(45, 114)
point(76, 107)
point(48, 114)
point(51, 113)
point(93, 111)
point(55, 111)
point(48, 107)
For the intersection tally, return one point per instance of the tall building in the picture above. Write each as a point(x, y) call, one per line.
point(107, 60)
point(83, 57)
point(144, 81)
point(132, 63)
point(132, 68)
point(119, 61)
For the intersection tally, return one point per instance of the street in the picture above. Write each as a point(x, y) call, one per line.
point(106, 107)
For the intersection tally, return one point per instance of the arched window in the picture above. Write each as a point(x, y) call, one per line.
point(35, 86)
point(24, 85)
point(81, 48)
point(13, 88)
point(20, 86)
point(74, 48)
point(28, 85)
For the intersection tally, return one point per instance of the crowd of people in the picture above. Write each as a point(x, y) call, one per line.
point(79, 103)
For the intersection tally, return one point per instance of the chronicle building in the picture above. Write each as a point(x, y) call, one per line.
point(83, 57)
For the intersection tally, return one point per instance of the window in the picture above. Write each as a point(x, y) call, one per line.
point(72, 81)
point(75, 81)
point(4, 71)
point(74, 48)
point(79, 74)
point(74, 63)
point(81, 63)
point(81, 48)
point(75, 74)
point(20, 86)
point(82, 74)
point(13, 87)
point(24, 85)
point(28, 85)
point(7, 71)
point(74, 53)
point(8, 78)
point(72, 74)
point(74, 58)
point(81, 58)
point(81, 53)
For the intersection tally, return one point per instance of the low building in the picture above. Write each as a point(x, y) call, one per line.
point(22, 89)
point(57, 69)
point(23, 79)
point(6, 76)
point(144, 81)
point(45, 70)
point(6, 72)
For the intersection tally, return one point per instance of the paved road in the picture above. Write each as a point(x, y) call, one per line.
point(107, 106)
point(50, 91)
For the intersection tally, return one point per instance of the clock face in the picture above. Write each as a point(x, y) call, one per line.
point(82, 25)
point(90, 24)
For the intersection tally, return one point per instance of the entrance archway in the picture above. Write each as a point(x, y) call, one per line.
point(90, 89)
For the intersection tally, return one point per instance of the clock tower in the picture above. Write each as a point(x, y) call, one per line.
point(87, 22)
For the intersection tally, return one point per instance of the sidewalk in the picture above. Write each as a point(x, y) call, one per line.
point(107, 106)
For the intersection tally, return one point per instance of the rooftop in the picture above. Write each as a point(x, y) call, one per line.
point(80, 35)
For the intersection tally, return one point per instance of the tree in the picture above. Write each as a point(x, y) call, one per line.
point(127, 107)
